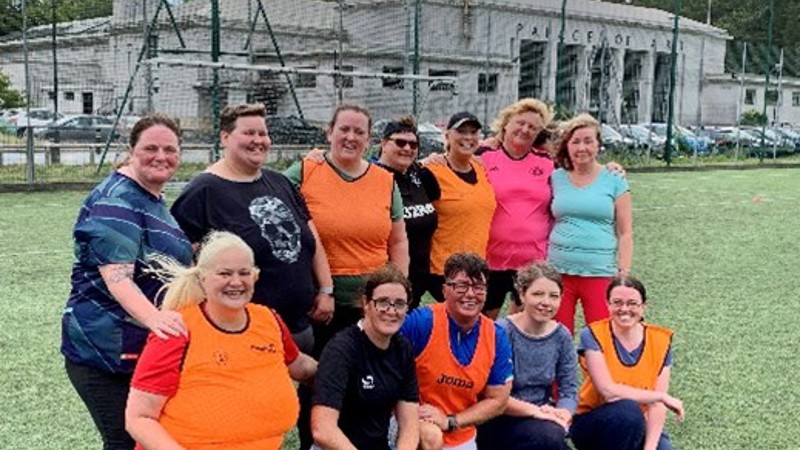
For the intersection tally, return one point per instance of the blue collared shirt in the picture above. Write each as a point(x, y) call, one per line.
point(418, 328)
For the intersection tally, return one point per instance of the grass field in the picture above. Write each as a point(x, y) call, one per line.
point(718, 251)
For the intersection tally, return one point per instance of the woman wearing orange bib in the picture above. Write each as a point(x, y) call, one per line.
point(228, 384)
point(626, 365)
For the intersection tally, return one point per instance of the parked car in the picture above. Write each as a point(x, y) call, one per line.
point(642, 137)
point(294, 130)
point(612, 139)
point(6, 126)
point(38, 118)
point(683, 139)
point(81, 128)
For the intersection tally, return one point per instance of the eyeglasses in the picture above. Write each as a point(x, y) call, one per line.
point(618, 303)
point(461, 288)
point(413, 145)
point(383, 304)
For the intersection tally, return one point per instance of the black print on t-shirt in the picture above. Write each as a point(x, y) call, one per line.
point(278, 227)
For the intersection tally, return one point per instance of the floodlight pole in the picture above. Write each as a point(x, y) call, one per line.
point(768, 70)
point(415, 60)
point(215, 94)
point(559, 50)
point(672, 75)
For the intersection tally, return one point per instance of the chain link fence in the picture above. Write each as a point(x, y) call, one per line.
point(87, 76)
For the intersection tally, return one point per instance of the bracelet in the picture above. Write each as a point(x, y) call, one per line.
point(327, 290)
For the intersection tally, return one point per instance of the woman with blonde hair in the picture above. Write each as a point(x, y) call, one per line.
point(208, 388)
point(520, 177)
point(592, 239)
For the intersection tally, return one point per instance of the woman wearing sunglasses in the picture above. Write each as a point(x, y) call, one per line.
point(366, 373)
point(399, 151)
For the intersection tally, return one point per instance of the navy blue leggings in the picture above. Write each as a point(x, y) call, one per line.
point(521, 433)
point(617, 425)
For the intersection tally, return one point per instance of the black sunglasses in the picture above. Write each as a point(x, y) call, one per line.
point(413, 145)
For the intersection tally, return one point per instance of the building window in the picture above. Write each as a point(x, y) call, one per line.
point(796, 98)
point(305, 80)
point(750, 97)
point(69, 96)
point(772, 97)
point(487, 82)
point(437, 85)
point(51, 95)
point(393, 83)
point(347, 81)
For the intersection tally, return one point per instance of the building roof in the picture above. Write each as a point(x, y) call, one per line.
point(281, 13)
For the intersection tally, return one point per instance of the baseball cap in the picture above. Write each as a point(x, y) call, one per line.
point(461, 118)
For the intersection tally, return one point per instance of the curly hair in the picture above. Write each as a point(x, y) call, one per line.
point(565, 132)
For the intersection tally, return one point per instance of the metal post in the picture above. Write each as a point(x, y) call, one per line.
point(778, 106)
point(215, 94)
point(739, 104)
point(55, 153)
point(766, 81)
point(672, 75)
point(148, 72)
point(486, 75)
point(415, 59)
point(559, 50)
point(30, 174)
point(339, 56)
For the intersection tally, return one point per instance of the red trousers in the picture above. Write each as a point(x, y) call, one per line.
point(592, 294)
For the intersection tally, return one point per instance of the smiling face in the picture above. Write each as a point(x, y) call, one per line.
point(247, 145)
point(464, 298)
point(521, 130)
point(155, 157)
point(463, 141)
point(228, 281)
point(541, 300)
point(625, 306)
point(379, 315)
point(400, 157)
point(349, 136)
point(583, 146)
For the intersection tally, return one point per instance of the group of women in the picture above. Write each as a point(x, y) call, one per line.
point(337, 244)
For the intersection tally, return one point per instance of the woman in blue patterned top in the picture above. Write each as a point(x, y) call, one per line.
point(592, 239)
point(114, 299)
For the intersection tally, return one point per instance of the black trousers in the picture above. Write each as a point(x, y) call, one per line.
point(105, 395)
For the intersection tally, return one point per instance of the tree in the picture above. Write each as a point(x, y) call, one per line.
point(9, 97)
point(40, 12)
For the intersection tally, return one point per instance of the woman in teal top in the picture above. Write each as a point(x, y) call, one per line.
point(592, 239)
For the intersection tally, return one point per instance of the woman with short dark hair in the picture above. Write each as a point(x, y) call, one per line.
point(366, 374)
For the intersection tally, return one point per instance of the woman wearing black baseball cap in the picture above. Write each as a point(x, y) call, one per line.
point(465, 203)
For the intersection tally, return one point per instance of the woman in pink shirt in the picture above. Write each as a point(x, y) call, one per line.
point(520, 178)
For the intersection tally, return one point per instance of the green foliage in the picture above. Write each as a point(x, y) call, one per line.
point(753, 117)
point(746, 20)
point(9, 97)
point(40, 12)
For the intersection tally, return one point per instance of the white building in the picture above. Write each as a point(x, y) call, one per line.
point(615, 60)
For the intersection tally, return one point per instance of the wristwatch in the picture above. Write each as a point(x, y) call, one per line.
point(328, 290)
point(452, 423)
